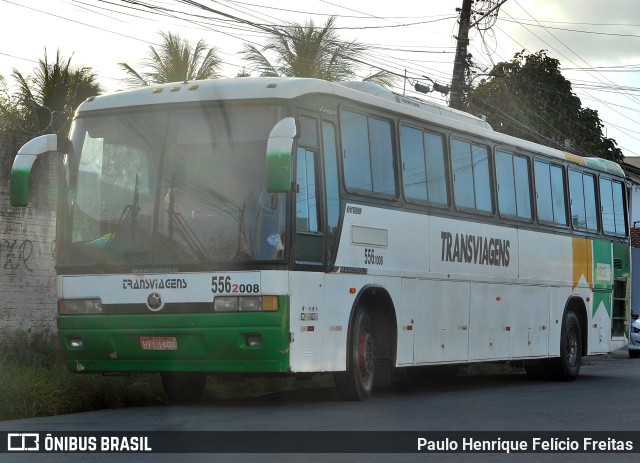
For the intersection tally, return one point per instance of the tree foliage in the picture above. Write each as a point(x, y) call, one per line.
point(45, 101)
point(175, 60)
point(304, 50)
point(528, 97)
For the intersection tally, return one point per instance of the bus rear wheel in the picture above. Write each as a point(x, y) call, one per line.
point(357, 382)
point(184, 387)
point(567, 366)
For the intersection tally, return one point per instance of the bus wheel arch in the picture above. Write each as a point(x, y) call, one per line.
point(372, 325)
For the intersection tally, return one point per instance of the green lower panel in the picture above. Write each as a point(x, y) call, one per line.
point(205, 342)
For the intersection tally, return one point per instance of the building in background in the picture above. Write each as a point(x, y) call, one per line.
point(27, 248)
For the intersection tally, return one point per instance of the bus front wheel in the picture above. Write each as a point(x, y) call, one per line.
point(357, 382)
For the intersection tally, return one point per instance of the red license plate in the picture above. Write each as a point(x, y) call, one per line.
point(158, 343)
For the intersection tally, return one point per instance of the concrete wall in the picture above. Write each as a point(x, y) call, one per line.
point(27, 247)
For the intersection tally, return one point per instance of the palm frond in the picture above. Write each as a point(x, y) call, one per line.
point(175, 60)
point(45, 101)
point(305, 50)
point(136, 80)
point(382, 78)
point(258, 62)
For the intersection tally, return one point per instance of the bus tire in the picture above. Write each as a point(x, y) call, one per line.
point(567, 366)
point(357, 382)
point(634, 354)
point(184, 387)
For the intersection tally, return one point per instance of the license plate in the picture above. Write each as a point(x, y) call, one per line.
point(158, 343)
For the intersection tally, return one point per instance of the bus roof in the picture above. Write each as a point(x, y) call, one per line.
point(256, 88)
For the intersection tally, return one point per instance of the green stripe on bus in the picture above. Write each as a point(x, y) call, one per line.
point(602, 276)
point(20, 187)
point(215, 342)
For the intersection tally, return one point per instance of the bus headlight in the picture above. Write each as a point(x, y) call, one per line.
point(225, 304)
point(250, 304)
point(245, 304)
point(79, 306)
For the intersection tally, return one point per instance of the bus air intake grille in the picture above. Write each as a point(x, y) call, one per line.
point(171, 308)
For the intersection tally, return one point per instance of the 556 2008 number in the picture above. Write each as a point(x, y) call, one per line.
point(371, 258)
point(224, 285)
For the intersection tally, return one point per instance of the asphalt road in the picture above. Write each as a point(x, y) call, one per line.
point(602, 399)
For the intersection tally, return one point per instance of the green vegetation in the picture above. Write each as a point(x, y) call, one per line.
point(35, 382)
point(304, 50)
point(45, 100)
point(528, 97)
point(175, 60)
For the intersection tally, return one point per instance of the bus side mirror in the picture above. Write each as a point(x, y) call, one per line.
point(23, 163)
point(279, 155)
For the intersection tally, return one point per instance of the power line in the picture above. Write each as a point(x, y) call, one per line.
point(366, 16)
point(382, 57)
point(572, 51)
point(522, 110)
point(602, 102)
point(513, 20)
point(18, 57)
point(74, 21)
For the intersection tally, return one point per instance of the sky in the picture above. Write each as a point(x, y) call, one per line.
point(596, 41)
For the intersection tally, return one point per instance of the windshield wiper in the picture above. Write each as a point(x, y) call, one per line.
point(190, 237)
point(130, 211)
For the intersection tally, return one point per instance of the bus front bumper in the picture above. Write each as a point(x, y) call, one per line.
point(217, 342)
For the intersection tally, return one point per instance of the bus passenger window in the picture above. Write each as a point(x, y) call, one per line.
point(367, 153)
point(424, 175)
point(514, 197)
point(331, 179)
point(308, 132)
point(471, 181)
point(436, 173)
point(550, 193)
point(306, 198)
point(414, 172)
point(557, 195)
point(481, 180)
point(583, 201)
point(612, 204)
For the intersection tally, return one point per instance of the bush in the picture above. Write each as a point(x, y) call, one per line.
point(35, 382)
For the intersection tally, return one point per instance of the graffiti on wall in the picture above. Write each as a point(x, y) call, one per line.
point(15, 254)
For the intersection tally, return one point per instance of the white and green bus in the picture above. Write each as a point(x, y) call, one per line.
point(296, 226)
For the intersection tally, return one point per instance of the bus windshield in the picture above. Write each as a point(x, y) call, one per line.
point(173, 187)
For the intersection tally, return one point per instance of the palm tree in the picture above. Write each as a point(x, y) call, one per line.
point(45, 101)
point(308, 51)
point(176, 60)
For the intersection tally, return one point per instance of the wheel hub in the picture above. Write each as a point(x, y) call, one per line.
point(572, 347)
point(365, 354)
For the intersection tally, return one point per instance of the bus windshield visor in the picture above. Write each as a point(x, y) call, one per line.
point(172, 187)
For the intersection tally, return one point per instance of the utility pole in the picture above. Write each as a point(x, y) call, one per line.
point(457, 80)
